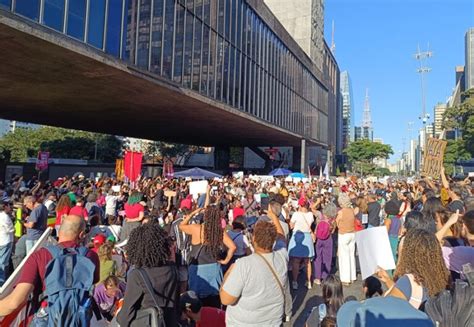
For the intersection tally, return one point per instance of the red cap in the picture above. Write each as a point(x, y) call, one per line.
point(99, 239)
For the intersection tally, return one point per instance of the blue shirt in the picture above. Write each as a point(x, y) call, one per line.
point(38, 216)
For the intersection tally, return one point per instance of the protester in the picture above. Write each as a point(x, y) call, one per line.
point(35, 222)
point(134, 214)
point(421, 272)
point(33, 275)
point(324, 243)
point(207, 254)
point(237, 235)
point(253, 288)
point(62, 209)
point(373, 209)
point(78, 209)
point(107, 294)
point(393, 224)
point(148, 251)
point(107, 265)
point(345, 221)
point(6, 238)
point(372, 287)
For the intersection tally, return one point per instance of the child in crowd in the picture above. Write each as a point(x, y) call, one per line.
point(107, 294)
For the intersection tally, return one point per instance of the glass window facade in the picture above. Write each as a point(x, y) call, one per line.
point(219, 48)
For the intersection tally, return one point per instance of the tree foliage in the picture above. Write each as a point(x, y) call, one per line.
point(61, 143)
point(159, 150)
point(461, 117)
point(362, 153)
point(455, 150)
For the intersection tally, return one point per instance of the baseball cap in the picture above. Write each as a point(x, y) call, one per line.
point(189, 300)
point(381, 311)
point(99, 239)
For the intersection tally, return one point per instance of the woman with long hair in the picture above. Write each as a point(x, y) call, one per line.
point(301, 246)
point(209, 241)
point(134, 214)
point(431, 208)
point(345, 221)
point(421, 272)
point(107, 264)
point(333, 295)
point(148, 251)
point(62, 209)
point(324, 243)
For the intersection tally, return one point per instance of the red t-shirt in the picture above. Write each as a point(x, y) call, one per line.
point(79, 211)
point(60, 214)
point(211, 317)
point(133, 211)
point(238, 211)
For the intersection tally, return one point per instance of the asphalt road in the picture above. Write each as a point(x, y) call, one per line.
point(304, 300)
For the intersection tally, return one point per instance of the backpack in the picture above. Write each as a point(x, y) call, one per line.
point(68, 286)
point(323, 230)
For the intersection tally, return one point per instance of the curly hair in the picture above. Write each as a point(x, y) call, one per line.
point(265, 234)
point(148, 246)
point(213, 232)
point(421, 256)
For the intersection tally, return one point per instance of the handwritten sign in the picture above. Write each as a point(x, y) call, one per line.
point(433, 157)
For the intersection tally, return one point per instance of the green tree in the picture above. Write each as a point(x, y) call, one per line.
point(61, 143)
point(455, 150)
point(159, 150)
point(362, 153)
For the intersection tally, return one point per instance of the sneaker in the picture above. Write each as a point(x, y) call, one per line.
point(317, 282)
point(295, 285)
point(287, 318)
point(309, 285)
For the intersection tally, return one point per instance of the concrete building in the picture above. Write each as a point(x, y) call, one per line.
point(7, 126)
point(304, 20)
point(348, 115)
point(469, 59)
point(439, 111)
point(210, 73)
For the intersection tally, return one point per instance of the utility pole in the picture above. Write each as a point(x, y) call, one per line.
point(423, 69)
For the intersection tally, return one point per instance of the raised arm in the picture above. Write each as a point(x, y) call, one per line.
point(184, 225)
point(444, 180)
point(451, 221)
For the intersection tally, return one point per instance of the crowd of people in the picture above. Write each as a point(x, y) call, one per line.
point(150, 253)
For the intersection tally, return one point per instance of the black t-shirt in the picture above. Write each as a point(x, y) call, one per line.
point(164, 281)
point(374, 213)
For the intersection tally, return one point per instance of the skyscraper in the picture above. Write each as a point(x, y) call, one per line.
point(439, 110)
point(469, 68)
point(348, 117)
point(367, 119)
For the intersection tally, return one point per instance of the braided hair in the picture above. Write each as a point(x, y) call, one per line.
point(148, 246)
point(213, 233)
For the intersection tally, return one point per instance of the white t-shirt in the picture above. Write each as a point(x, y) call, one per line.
point(260, 298)
point(6, 229)
point(302, 221)
point(111, 205)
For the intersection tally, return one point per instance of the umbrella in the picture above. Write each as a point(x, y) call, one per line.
point(280, 172)
point(298, 175)
point(196, 173)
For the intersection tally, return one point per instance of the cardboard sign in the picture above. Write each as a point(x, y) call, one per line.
point(433, 157)
point(374, 250)
point(170, 194)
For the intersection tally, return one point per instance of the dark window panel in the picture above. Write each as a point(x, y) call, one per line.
point(206, 11)
point(157, 36)
point(212, 64)
point(220, 16)
point(76, 19)
point(95, 34)
point(114, 20)
point(188, 50)
point(53, 14)
point(5, 3)
point(143, 34)
point(205, 59)
point(197, 54)
point(225, 72)
point(239, 26)
point(228, 19)
point(178, 46)
point(230, 94)
point(190, 5)
point(198, 6)
point(237, 76)
point(219, 70)
point(168, 39)
point(129, 28)
point(28, 8)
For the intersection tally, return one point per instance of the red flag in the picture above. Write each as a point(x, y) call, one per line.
point(42, 161)
point(133, 165)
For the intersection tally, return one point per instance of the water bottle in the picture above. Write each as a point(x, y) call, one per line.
point(322, 311)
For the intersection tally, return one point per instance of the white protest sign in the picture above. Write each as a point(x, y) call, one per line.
point(374, 250)
point(198, 187)
point(7, 288)
point(365, 218)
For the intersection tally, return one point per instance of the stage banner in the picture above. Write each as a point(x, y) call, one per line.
point(133, 165)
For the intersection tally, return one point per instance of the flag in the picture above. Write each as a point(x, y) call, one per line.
point(326, 171)
point(119, 171)
point(42, 161)
point(132, 165)
point(320, 173)
point(168, 168)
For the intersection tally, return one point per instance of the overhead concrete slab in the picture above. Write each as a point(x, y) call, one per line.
point(48, 78)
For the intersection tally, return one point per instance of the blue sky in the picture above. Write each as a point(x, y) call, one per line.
point(375, 41)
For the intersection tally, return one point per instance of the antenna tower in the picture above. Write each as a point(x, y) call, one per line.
point(333, 45)
point(422, 70)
